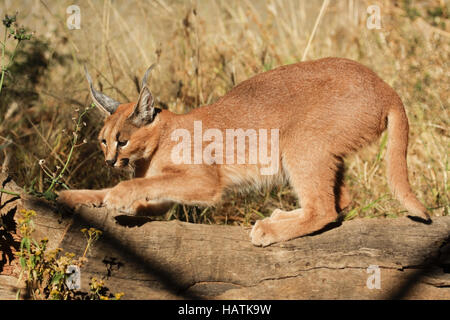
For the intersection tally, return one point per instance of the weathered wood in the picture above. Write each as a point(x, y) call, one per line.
point(173, 260)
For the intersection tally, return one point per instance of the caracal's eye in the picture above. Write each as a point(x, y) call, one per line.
point(104, 142)
point(122, 143)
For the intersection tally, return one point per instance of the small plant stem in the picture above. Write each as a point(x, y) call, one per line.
point(10, 192)
point(13, 55)
point(47, 173)
point(3, 57)
point(54, 180)
point(86, 249)
point(74, 142)
point(11, 60)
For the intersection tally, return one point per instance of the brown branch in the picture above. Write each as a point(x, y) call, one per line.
point(173, 259)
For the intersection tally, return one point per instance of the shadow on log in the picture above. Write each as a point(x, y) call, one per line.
point(178, 260)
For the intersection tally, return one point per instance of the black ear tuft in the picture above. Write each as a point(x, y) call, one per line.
point(106, 104)
point(144, 111)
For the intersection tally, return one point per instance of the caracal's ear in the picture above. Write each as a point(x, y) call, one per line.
point(144, 112)
point(106, 104)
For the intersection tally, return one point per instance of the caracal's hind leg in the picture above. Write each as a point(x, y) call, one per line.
point(314, 181)
point(342, 197)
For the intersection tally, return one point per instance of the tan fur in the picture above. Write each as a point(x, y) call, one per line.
point(324, 109)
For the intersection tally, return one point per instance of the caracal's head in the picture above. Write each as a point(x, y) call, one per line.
point(130, 131)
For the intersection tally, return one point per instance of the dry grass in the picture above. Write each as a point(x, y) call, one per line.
point(204, 48)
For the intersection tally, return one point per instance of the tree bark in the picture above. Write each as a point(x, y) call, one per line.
point(359, 259)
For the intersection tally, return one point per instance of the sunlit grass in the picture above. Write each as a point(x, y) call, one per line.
point(203, 49)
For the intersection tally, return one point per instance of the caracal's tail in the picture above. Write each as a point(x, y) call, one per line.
point(397, 170)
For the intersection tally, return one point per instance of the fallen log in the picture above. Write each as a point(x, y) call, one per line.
point(360, 259)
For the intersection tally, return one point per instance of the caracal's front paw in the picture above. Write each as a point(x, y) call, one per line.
point(262, 233)
point(120, 199)
point(74, 198)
